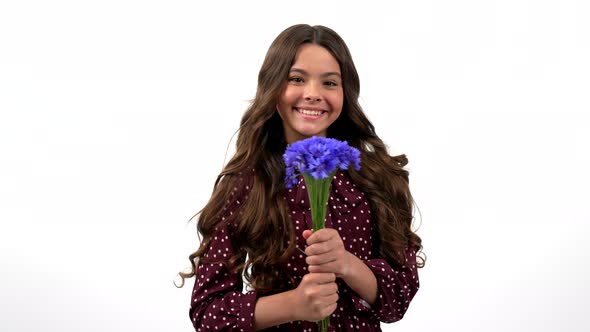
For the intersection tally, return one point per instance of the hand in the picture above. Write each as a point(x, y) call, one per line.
point(326, 253)
point(316, 296)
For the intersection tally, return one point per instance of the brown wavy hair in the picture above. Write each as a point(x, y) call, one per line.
point(262, 229)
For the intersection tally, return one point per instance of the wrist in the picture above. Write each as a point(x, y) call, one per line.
point(290, 300)
point(352, 263)
point(361, 279)
point(272, 310)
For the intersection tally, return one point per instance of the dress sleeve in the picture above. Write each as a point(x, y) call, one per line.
point(395, 288)
point(218, 302)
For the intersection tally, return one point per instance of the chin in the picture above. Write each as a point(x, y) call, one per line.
point(310, 134)
point(311, 131)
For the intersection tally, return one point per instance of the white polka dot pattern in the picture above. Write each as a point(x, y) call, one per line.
point(218, 303)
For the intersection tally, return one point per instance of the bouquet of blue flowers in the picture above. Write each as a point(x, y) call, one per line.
point(318, 159)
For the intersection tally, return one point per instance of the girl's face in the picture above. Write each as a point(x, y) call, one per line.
point(313, 97)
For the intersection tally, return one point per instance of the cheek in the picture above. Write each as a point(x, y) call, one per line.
point(337, 100)
point(289, 97)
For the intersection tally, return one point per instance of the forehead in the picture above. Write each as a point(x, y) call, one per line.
point(315, 59)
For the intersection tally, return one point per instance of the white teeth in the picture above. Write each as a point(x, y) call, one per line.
point(310, 112)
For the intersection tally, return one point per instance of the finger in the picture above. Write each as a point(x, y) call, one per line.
point(321, 235)
point(315, 249)
point(328, 310)
point(321, 259)
point(330, 301)
point(324, 268)
point(320, 278)
point(321, 247)
point(307, 233)
point(327, 290)
point(332, 298)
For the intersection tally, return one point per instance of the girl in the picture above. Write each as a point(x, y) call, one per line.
point(361, 269)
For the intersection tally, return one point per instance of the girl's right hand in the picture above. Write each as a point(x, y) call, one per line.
point(316, 296)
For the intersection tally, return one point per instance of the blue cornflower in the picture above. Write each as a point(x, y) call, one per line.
point(318, 157)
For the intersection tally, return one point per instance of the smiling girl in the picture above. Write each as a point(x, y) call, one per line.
point(362, 269)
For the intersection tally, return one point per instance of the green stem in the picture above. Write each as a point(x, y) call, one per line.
point(318, 192)
point(324, 324)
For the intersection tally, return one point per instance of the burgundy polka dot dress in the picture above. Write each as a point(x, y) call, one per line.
point(221, 303)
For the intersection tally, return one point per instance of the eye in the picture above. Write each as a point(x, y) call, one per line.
point(330, 83)
point(295, 79)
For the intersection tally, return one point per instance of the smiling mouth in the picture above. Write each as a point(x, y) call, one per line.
point(308, 112)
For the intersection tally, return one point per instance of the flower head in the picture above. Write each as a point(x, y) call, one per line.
point(318, 157)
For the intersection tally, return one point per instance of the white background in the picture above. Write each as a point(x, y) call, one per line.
point(115, 118)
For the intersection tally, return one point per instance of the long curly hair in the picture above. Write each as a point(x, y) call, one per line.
point(263, 229)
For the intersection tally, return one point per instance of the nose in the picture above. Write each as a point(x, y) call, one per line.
point(312, 92)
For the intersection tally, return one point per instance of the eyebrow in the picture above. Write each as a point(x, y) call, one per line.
point(303, 72)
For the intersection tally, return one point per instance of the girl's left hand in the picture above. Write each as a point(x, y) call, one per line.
point(326, 253)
